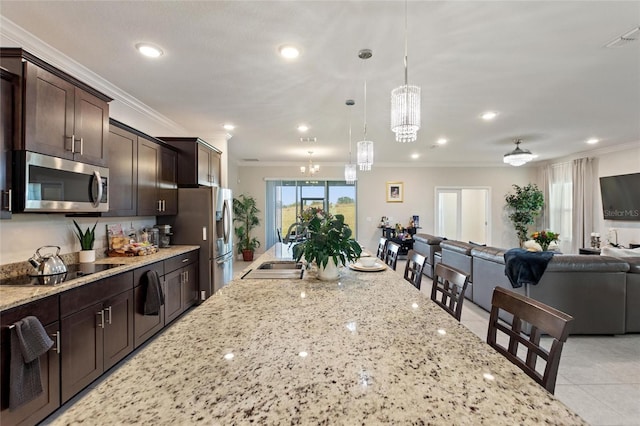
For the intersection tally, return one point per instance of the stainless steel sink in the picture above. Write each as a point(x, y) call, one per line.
point(281, 264)
point(277, 270)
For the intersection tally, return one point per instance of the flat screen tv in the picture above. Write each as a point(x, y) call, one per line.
point(621, 197)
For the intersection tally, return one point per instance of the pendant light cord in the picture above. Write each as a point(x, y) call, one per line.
point(406, 47)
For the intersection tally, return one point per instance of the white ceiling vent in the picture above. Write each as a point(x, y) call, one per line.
point(308, 139)
point(250, 160)
point(624, 39)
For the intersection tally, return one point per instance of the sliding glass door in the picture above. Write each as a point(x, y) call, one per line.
point(287, 199)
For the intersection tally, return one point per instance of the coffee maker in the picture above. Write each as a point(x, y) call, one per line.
point(164, 234)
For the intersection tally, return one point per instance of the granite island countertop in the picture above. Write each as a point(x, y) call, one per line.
point(366, 349)
point(12, 296)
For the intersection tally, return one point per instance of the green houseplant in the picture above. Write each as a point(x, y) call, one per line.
point(87, 239)
point(525, 204)
point(245, 213)
point(328, 242)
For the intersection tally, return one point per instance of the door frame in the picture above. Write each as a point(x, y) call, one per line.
point(459, 189)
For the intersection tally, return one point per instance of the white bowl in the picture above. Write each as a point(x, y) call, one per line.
point(367, 261)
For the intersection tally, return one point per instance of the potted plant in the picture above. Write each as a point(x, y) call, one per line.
point(245, 213)
point(87, 239)
point(525, 205)
point(328, 242)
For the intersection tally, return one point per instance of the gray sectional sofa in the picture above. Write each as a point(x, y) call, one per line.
point(427, 245)
point(602, 293)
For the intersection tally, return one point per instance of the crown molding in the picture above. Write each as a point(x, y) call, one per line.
point(19, 37)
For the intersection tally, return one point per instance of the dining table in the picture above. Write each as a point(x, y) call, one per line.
point(367, 348)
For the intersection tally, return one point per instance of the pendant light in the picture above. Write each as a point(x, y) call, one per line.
point(518, 156)
point(312, 169)
point(364, 148)
point(350, 174)
point(405, 101)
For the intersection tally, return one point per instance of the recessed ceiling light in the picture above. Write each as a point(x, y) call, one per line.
point(489, 115)
point(149, 50)
point(303, 128)
point(229, 126)
point(593, 141)
point(415, 156)
point(442, 141)
point(289, 52)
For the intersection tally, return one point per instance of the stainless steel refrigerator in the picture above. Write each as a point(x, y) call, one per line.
point(205, 218)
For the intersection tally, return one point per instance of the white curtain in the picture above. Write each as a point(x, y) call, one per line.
point(583, 195)
point(557, 181)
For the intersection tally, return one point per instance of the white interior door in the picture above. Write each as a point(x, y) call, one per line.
point(463, 214)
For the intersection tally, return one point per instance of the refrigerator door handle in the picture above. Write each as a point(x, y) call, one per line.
point(204, 233)
point(226, 214)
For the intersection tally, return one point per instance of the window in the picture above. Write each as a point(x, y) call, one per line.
point(287, 199)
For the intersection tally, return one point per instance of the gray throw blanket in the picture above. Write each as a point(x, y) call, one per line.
point(525, 267)
point(154, 297)
point(28, 341)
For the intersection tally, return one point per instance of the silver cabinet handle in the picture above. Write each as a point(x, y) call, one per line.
point(10, 201)
point(101, 313)
point(185, 260)
point(109, 312)
point(159, 205)
point(81, 146)
point(73, 143)
point(164, 205)
point(57, 346)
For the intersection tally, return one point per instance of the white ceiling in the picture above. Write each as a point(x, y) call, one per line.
point(541, 65)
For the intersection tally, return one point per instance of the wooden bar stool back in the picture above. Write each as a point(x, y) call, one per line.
point(413, 268)
point(449, 286)
point(543, 319)
point(382, 248)
point(391, 256)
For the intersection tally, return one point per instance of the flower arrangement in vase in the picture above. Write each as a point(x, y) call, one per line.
point(544, 238)
point(328, 242)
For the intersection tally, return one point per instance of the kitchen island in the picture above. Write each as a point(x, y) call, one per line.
point(367, 349)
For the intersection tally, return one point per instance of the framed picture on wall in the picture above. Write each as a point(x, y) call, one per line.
point(395, 192)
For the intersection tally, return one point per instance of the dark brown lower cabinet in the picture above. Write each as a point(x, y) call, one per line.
point(96, 329)
point(34, 411)
point(182, 290)
point(145, 326)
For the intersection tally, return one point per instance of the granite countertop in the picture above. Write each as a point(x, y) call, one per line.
point(367, 349)
point(12, 296)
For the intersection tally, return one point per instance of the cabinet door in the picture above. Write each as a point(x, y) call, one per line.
point(173, 303)
point(204, 165)
point(118, 331)
point(91, 128)
point(8, 89)
point(167, 181)
point(145, 326)
point(49, 113)
point(190, 286)
point(148, 165)
point(123, 173)
point(82, 349)
point(37, 409)
point(215, 161)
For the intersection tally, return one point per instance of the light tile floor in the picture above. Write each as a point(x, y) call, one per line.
point(599, 376)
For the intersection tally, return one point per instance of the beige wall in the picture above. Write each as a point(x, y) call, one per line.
point(419, 193)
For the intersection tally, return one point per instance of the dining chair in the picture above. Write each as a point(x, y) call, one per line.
point(543, 319)
point(413, 268)
point(391, 254)
point(382, 247)
point(449, 286)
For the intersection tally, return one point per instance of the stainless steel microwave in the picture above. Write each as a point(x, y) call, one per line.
point(50, 184)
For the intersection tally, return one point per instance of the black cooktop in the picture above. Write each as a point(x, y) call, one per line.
point(76, 270)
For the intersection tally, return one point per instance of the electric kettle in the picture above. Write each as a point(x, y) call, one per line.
point(47, 264)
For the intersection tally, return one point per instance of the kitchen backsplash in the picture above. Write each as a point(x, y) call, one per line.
point(22, 235)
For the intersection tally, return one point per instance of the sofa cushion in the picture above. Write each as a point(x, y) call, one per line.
point(634, 264)
point(457, 246)
point(493, 254)
point(582, 263)
point(427, 239)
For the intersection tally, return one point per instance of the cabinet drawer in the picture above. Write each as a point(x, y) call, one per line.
point(140, 272)
point(46, 310)
point(79, 298)
point(178, 262)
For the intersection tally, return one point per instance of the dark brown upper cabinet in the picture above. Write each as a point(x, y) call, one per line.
point(63, 117)
point(198, 162)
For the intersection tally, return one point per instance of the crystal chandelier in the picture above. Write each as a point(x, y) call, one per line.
point(405, 101)
point(364, 148)
point(350, 175)
point(312, 169)
point(518, 156)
